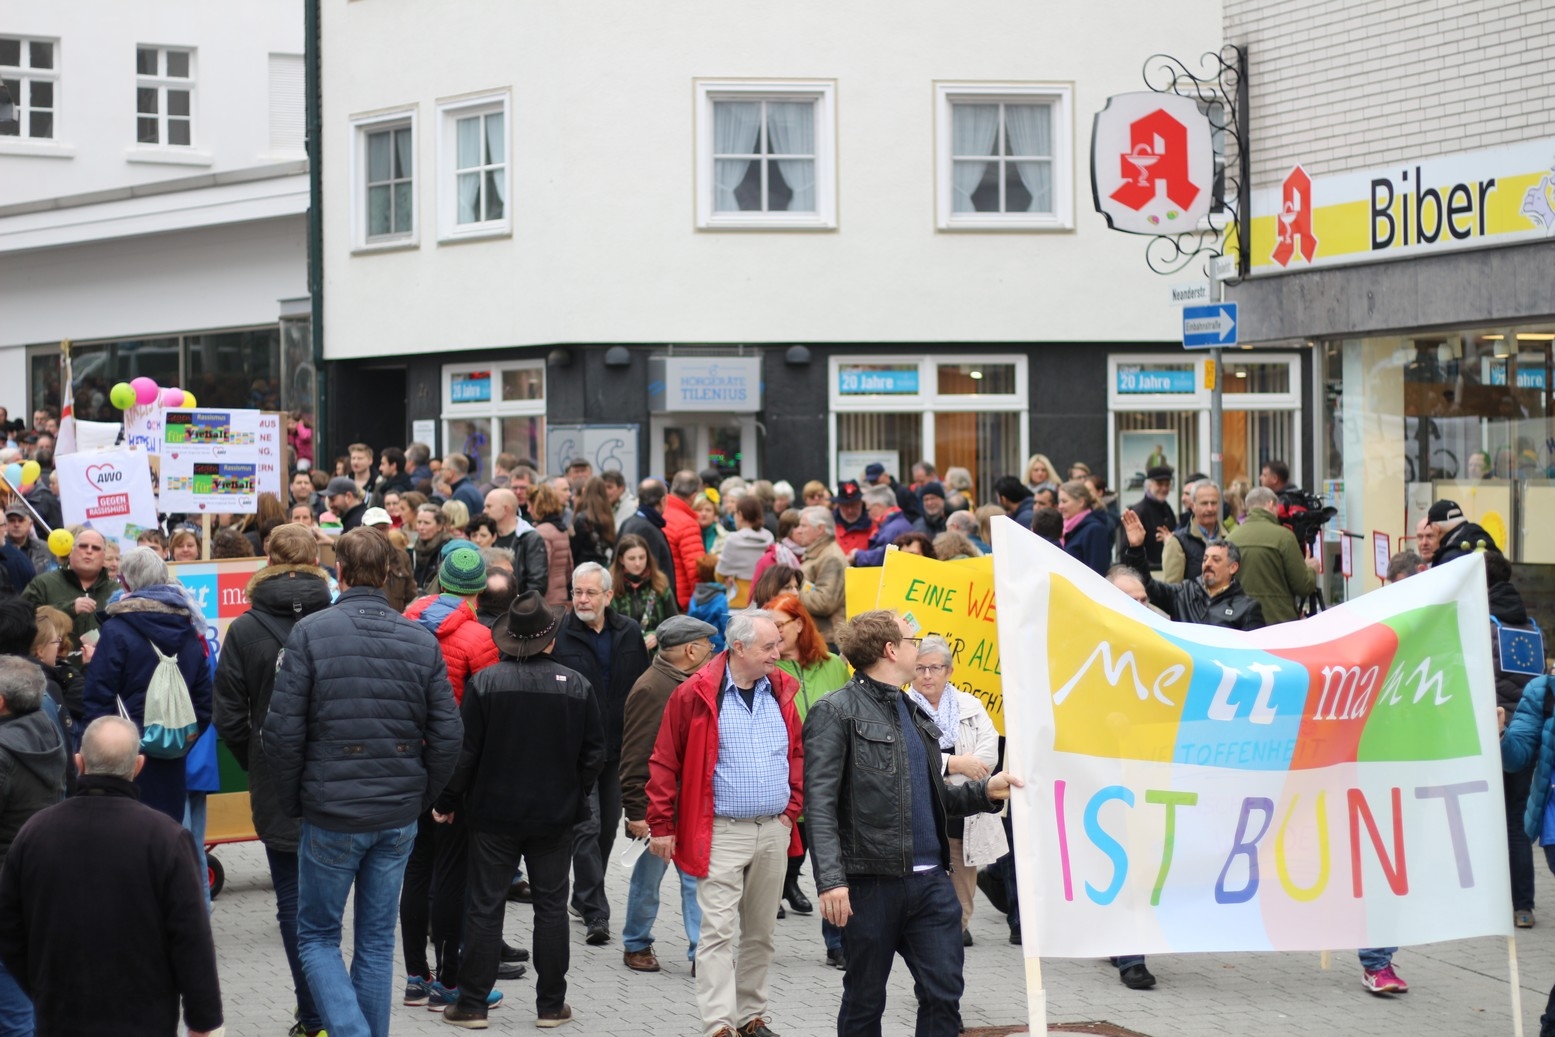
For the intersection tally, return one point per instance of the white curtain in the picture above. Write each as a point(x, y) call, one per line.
point(791, 131)
point(469, 157)
point(496, 179)
point(403, 205)
point(974, 128)
point(1031, 133)
point(735, 125)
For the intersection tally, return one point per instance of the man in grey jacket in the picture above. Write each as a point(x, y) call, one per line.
point(362, 735)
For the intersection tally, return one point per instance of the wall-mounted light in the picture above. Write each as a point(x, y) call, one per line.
point(618, 356)
point(976, 376)
point(797, 356)
point(559, 357)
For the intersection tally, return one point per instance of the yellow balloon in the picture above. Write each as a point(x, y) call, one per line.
point(189, 400)
point(30, 471)
point(60, 542)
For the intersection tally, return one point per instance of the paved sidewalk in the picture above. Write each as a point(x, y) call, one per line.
point(1457, 988)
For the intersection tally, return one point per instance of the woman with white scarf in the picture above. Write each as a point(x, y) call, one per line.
point(970, 745)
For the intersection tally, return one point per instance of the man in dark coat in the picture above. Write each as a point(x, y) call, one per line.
point(533, 744)
point(361, 736)
point(607, 649)
point(1214, 599)
point(1458, 536)
point(1156, 512)
point(290, 587)
point(80, 587)
point(649, 523)
point(60, 907)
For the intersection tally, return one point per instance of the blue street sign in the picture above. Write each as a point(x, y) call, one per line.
point(1204, 327)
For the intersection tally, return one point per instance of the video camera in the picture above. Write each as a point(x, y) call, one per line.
point(1304, 514)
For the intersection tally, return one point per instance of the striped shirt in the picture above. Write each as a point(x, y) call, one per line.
point(751, 776)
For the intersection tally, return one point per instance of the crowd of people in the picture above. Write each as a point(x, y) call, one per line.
point(451, 693)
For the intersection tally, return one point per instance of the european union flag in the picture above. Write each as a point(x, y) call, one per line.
point(1520, 651)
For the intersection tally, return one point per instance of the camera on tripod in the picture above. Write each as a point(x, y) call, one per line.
point(1304, 514)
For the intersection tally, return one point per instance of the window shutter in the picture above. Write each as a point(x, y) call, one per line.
point(287, 121)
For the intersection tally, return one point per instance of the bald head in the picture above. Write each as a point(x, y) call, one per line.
point(111, 746)
point(502, 506)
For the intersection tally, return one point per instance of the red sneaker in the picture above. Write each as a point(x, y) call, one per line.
point(1383, 981)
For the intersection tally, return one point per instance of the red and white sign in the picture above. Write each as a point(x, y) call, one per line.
point(1152, 163)
point(109, 490)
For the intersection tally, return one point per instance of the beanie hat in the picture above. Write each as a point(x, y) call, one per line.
point(463, 572)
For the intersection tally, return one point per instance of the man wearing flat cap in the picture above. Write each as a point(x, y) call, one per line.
point(1156, 512)
point(685, 644)
point(534, 743)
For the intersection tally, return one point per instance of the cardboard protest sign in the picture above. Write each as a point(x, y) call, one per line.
point(213, 459)
point(956, 601)
point(1333, 782)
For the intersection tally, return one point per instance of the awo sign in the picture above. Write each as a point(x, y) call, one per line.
point(109, 489)
point(1152, 163)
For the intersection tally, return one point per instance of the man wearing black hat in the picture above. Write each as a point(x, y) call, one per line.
point(534, 743)
point(854, 526)
point(1458, 536)
point(931, 509)
point(1156, 512)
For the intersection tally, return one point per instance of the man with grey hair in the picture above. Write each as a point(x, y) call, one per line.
point(1182, 553)
point(725, 785)
point(825, 568)
point(59, 906)
point(965, 523)
point(1214, 599)
point(1275, 570)
point(890, 522)
point(607, 648)
point(456, 474)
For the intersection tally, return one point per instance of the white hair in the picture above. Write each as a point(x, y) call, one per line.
point(742, 626)
point(933, 644)
point(605, 582)
point(783, 488)
point(143, 568)
point(821, 519)
point(110, 746)
point(882, 495)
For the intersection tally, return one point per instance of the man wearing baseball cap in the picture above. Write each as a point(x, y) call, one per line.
point(344, 498)
point(19, 534)
point(854, 526)
point(1457, 535)
point(534, 742)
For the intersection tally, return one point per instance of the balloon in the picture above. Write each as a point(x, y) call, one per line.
point(145, 391)
point(27, 488)
point(30, 471)
point(13, 474)
point(189, 400)
point(60, 542)
point(122, 396)
point(172, 397)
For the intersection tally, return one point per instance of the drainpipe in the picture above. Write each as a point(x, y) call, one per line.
point(321, 417)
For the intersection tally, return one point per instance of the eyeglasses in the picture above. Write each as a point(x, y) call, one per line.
point(783, 623)
point(931, 670)
point(914, 641)
point(587, 595)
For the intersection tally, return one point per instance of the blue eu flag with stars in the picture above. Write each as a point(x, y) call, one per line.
point(1520, 651)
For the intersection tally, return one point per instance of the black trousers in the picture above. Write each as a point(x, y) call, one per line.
point(434, 891)
point(1519, 849)
point(492, 858)
point(593, 842)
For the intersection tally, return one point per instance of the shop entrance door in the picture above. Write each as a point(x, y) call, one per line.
point(726, 442)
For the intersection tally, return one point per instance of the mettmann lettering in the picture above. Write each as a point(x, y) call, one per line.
point(1403, 214)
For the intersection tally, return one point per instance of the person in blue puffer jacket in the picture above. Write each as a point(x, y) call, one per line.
point(1530, 734)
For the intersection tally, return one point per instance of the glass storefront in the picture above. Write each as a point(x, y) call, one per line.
point(491, 408)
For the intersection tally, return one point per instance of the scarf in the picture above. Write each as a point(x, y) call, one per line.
point(947, 717)
point(1070, 524)
point(788, 553)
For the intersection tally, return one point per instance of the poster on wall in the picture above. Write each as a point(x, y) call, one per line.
point(109, 490)
point(605, 447)
point(851, 463)
point(1143, 449)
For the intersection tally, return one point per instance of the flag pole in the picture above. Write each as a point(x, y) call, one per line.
point(1517, 987)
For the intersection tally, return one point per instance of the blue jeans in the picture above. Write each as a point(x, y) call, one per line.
point(283, 876)
point(918, 917)
point(354, 1004)
point(194, 820)
point(1374, 958)
point(642, 905)
point(15, 1007)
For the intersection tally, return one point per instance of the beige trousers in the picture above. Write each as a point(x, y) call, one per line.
point(964, 879)
point(744, 882)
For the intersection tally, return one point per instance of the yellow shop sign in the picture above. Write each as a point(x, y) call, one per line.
point(1470, 200)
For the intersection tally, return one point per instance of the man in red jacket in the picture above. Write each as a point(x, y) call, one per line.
point(725, 784)
point(684, 533)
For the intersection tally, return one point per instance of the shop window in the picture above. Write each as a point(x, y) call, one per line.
point(976, 379)
point(493, 408)
point(236, 368)
point(877, 435)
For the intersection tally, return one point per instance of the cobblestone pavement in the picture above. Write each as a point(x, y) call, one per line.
point(1458, 988)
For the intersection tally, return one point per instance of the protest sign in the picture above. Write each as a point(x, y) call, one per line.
point(220, 589)
point(212, 459)
point(860, 589)
point(1333, 782)
point(109, 490)
point(956, 601)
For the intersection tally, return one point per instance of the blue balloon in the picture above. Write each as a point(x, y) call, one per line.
point(13, 475)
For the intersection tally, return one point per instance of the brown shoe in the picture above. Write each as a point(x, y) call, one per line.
point(642, 961)
point(757, 1027)
point(546, 1020)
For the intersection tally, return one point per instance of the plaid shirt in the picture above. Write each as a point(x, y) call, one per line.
point(751, 776)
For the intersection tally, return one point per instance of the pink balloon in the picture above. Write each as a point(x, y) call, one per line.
point(172, 397)
point(145, 391)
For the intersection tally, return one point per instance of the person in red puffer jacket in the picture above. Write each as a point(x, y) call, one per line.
point(684, 533)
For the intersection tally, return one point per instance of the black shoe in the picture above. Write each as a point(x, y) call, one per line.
point(510, 953)
point(519, 892)
point(511, 970)
point(1137, 977)
point(796, 898)
point(781, 912)
point(469, 1019)
point(599, 933)
point(966, 937)
point(1015, 936)
point(994, 890)
point(837, 960)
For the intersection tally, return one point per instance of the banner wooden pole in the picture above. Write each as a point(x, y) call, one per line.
point(1517, 987)
point(205, 536)
point(1325, 960)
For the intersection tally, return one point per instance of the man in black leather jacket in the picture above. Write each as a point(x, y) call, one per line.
point(875, 805)
point(1214, 599)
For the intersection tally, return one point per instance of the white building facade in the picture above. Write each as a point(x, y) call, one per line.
point(683, 237)
point(153, 200)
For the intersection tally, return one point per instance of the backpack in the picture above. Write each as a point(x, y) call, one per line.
point(169, 724)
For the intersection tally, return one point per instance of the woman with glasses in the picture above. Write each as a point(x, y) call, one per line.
point(970, 744)
point(819, 672)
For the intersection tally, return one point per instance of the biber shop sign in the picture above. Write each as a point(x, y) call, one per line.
point(1152, 163)
point(1475, 199)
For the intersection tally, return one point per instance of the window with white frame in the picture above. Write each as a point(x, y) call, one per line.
point(766, 154)
point(1004, 156)
point(164, 96)
point(958, 411)
point(474, 160)
point(386, 173)
point(29, 70)
point(493, 408)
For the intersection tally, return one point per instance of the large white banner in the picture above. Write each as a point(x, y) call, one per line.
point(1329, 783)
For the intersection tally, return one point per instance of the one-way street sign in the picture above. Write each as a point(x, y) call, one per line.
point(1205, 327)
